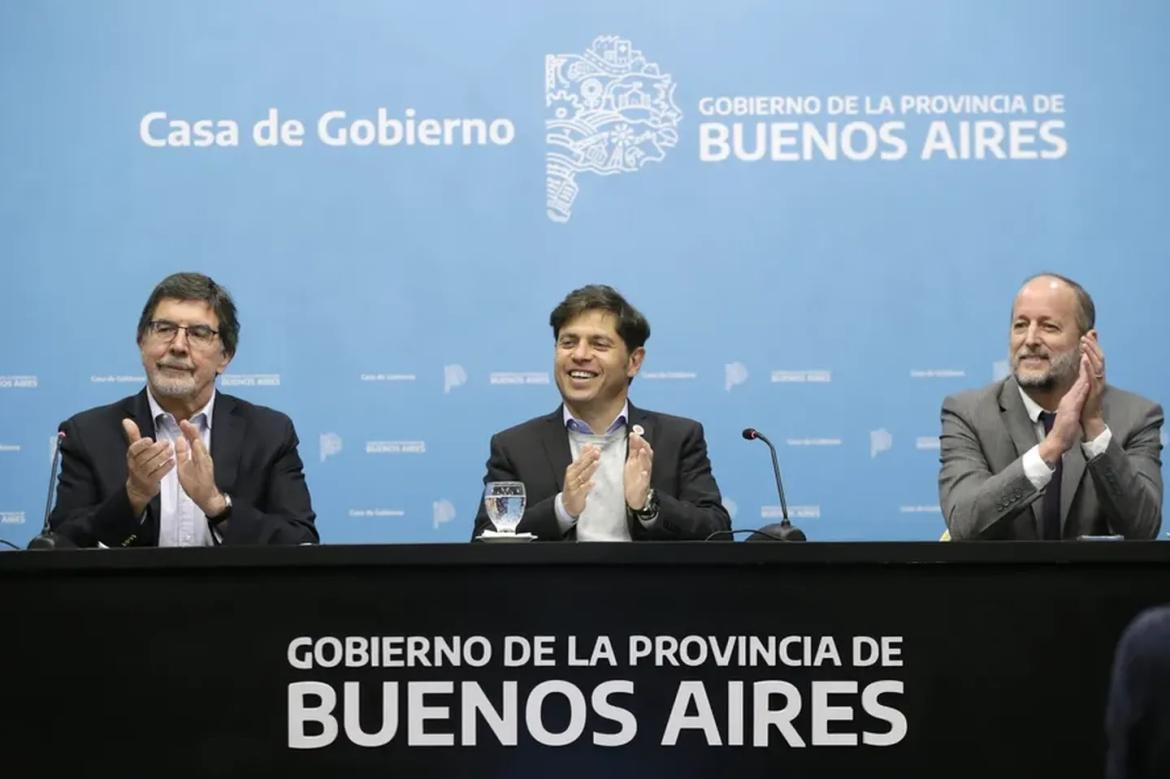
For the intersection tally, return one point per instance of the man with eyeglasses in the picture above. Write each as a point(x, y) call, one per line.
point(180, 464)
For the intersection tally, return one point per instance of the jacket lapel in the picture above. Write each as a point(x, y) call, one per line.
point(138, 409)
point(643, 420)
point(227, 439)
point(1073, 464)
point(555, 440)
point(1015, 417)
point(1023, 434)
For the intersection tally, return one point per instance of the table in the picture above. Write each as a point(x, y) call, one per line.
point(762, 659)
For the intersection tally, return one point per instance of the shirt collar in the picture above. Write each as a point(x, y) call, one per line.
point(577, 426)
point(1032, 407)
point(157, 411)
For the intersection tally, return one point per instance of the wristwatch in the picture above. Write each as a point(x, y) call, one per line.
point(650, 510)
point(223, 515)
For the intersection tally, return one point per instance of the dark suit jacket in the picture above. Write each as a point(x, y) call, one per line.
point(537, 453)
point(255, 453)
point(985, 495)
point(1137, 717)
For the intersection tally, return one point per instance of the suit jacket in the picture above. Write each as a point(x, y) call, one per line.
point(984, 493)
point(1137, 717)
point(537, 453)
point(255, 454)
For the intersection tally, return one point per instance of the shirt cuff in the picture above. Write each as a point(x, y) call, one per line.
point(564, 521)
point(1035, 468)
point(1098, 445)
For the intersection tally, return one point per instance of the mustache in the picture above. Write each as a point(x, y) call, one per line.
point(1027, 351)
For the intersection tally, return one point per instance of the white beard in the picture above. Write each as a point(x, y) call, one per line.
point(173, 386)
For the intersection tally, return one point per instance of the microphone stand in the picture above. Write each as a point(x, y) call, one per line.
point(783, 530)
point(50, 539)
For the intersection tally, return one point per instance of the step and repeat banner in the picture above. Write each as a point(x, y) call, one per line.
point(823, 208)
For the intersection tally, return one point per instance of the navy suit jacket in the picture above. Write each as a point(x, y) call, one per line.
point(254, 449)
point(537, 453)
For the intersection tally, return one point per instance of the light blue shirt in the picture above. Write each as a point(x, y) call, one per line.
point(181, 522)
point(577, 426)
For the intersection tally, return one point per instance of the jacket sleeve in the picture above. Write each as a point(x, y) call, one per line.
point(82, 513)
point(697, 510)
point(976, 502)
point(1128, 478)
point(281, 511)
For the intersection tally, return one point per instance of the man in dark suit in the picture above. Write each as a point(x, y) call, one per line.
point(180, 464)
point(597, 468)
point(1053, 451)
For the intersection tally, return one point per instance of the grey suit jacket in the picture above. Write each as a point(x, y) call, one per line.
point(984, 493)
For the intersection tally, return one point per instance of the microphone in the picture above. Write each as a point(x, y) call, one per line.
point(48, 539)
point(782, 530)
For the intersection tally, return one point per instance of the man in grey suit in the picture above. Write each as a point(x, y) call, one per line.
point(1052, 451)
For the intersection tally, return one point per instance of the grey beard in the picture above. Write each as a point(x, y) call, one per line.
point(173, 388)
point(1044, 382)
point(1062, 369)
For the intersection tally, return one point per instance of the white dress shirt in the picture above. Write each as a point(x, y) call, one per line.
point(602, 522)
point(1035, 468)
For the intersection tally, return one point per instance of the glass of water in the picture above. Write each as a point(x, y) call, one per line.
point(504, 501)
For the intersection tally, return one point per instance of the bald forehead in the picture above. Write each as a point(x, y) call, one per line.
point(1046, 296)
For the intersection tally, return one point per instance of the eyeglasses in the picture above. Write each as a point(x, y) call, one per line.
point(164, 332)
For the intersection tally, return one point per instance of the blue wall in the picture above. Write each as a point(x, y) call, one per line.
point(384, 286)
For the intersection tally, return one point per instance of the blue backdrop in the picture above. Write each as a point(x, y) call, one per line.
point(828, 287)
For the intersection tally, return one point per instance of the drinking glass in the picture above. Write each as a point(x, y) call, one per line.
point(504, 501)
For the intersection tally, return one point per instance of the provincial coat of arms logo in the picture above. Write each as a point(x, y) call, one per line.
point(608, 111)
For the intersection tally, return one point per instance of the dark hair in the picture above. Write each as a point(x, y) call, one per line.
point(1086, 311)
point(196, 286)
point(631, 325)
